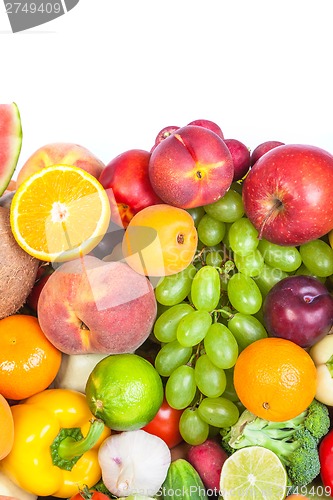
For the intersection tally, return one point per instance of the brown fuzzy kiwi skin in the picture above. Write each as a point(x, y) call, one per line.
point(18, 269)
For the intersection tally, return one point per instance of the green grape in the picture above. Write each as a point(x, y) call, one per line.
point(210, 230)
point(219, 412)
point(230, 392)
point(193, 327)
point(165, 327)
point(206, 289)
point(229, 208)
point(243, 237)
point(180, 388)
point(221, 346)
point(244, 294)
point(246, 329)
point(303, 270)
point(170, 357)
point(211, 380)
point(173, 289)
point(317, 256)
point(251, 264)
point(196, 213)
point(192, 428)
point(286, 258)
point(268, 277)
point(214, 258)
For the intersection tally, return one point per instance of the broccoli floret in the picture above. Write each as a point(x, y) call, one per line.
point(317, 420)
point(304, 466)
point(294, 441)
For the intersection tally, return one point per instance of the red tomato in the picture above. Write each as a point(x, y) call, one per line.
point(165, 425)
point(326, 461)
point(87, 494)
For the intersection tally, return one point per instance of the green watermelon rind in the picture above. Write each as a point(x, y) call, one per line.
point(13, 144)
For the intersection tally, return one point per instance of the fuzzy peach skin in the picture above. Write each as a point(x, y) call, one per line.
point(64, 153)
point(91, 306)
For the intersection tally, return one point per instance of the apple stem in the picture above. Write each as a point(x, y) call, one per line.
point(271, 214)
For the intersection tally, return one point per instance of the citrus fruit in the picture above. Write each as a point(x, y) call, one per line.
point(125, 391)
point(28, 361)
point(160, 240)
point(7, 423)
point(59, 213)
point(275, 379)
point(253, 473)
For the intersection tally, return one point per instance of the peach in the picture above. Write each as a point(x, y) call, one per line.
point(190, 168)
point(60, 153)
point(91, 306)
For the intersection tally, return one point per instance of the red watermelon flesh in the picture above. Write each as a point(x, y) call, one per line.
point(10, 142)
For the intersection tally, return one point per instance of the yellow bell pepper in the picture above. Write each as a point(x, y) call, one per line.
point(56, 444)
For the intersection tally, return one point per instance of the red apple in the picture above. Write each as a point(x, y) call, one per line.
point(288, 195)
point(126, 180)
point(210, 125)
point(240, 156)
point(191, 168)
point(263, 148)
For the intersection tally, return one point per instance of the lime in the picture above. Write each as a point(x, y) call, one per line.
point(125, 391)
point(253, 473)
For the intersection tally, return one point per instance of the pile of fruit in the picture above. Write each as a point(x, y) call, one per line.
point(166, 319)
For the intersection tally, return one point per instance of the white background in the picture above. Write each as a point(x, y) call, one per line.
point(111, 73)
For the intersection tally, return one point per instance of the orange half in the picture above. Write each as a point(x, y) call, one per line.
point(59, 213)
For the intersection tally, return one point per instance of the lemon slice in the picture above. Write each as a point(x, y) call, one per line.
point(59, 213)
point(253, 473)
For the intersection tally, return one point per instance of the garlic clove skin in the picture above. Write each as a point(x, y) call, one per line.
point(134, 463)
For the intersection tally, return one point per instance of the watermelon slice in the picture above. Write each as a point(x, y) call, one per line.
point(10, 142)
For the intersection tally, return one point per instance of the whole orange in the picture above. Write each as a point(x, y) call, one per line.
point(7, 423)
point(28, 360)
point(275, 379)
point(160, 240)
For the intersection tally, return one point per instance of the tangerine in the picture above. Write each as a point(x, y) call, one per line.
point(160, 240)
point(6, 422)
point(275, 379)
point(29, 362)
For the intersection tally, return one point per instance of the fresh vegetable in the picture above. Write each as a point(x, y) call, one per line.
point(9, 488)
point(18, 270)
point(183, 482)
point(207, 459)
point(322, 355)
point(134, 462)
point(89, 494)
point(57, 443)
point(165, 425)
point(294, 441)
point(10, 142)
point(75, 370)
point(326, 461)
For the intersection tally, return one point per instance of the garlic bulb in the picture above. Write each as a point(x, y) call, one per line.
point(134, 462)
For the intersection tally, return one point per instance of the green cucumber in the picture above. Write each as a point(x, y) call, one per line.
point(183, 482)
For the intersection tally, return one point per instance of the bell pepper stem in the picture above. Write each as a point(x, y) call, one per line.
point(70, 448)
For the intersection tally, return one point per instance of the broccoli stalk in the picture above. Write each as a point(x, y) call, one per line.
point(294, 441)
